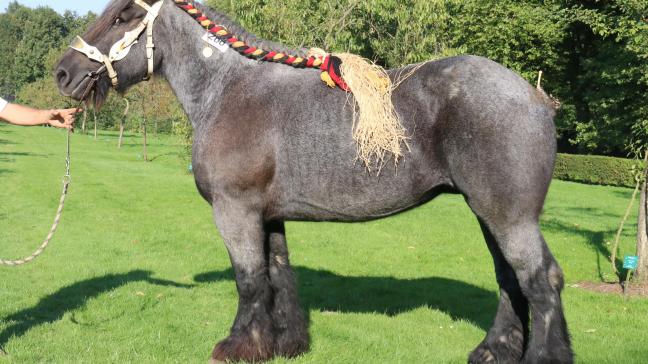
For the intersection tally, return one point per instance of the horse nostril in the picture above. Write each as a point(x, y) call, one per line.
point(62, 77)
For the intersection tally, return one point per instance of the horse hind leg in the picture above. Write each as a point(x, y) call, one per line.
point(506, 339)
point(540, 280)
point(290, 324)
point(507, 194)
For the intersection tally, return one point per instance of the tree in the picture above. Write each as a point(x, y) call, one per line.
point(642, 234)
point(43, 30)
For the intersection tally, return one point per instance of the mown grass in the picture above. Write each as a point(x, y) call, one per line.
point(138, 274)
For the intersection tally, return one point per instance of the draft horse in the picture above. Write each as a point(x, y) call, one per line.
point(273, 144)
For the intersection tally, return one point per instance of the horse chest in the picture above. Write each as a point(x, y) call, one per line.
point(229, 161)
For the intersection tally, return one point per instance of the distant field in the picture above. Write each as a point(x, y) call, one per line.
point(138, 273)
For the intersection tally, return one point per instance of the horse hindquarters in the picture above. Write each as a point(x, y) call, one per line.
point(500, 148)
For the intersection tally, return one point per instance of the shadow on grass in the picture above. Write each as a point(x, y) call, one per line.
point(53, 307)
point(625, 194)
point(159, 156)
point(596, 240)
point(5, 156)
point(326, 291)
point(589, 211)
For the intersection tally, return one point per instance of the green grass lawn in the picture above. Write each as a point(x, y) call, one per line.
point(138, 273)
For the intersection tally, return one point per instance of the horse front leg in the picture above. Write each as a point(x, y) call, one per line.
point(289, 321)
point(252, 334)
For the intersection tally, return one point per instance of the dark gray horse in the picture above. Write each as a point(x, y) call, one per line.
point(272, 143)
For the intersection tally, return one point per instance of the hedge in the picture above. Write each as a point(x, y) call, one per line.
point(592, 169)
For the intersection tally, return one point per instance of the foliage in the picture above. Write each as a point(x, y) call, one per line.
point(524, 36)
point(610, 75)
point(597, 170)
point(389, 32)
point(155, 104)
point(28, 36)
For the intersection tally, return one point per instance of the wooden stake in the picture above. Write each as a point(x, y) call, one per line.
point(94, 115)
point(121, 125)
point(626, 286)
point(145, 147)
point(539, 80)
point(85, 118)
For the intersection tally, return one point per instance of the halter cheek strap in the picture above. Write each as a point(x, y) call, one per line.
point(122, 47)
point(79, 45)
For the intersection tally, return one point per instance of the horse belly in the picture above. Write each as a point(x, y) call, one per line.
point(325, 191)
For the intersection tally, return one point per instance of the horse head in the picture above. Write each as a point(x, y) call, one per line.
point(117, 51)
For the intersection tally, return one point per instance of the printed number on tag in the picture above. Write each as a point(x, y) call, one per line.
point(213, 40)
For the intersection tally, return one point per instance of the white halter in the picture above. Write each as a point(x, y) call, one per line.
point(121, 49)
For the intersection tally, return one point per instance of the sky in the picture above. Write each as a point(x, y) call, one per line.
point(81, 7)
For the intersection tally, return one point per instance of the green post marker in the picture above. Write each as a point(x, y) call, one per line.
point(630, 263)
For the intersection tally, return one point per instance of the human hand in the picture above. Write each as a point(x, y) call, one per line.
point(62, 118)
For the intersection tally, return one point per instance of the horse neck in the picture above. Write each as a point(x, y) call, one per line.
point(198, 82)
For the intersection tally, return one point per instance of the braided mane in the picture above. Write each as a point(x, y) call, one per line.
point(244, 35)
point(242, 46)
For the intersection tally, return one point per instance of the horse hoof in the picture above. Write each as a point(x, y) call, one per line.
point(487, 354)
point(253, 349)
point(555, 357)
point(482, 356)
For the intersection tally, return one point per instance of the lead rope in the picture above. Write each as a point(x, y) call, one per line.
point(66, 184)
point(67, 180)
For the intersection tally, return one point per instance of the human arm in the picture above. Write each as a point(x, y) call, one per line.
point(23, 115)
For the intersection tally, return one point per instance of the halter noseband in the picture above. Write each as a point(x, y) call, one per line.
point(122, 47)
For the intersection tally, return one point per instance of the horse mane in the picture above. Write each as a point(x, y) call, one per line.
point(106, 20)
point(242, 34)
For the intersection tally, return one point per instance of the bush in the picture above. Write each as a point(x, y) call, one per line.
point(597, 170)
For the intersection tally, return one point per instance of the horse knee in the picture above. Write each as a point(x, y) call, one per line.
point(536, 270)
point(556, 277)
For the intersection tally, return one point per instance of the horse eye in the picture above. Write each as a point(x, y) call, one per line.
point(118, 21)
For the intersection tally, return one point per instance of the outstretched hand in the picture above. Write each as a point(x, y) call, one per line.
point(63, 118)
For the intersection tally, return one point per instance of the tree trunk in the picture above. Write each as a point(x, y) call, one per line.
point(641, 273)
point(121, 125)
point(145, 151)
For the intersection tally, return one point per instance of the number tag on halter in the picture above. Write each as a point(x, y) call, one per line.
point(213, 41)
